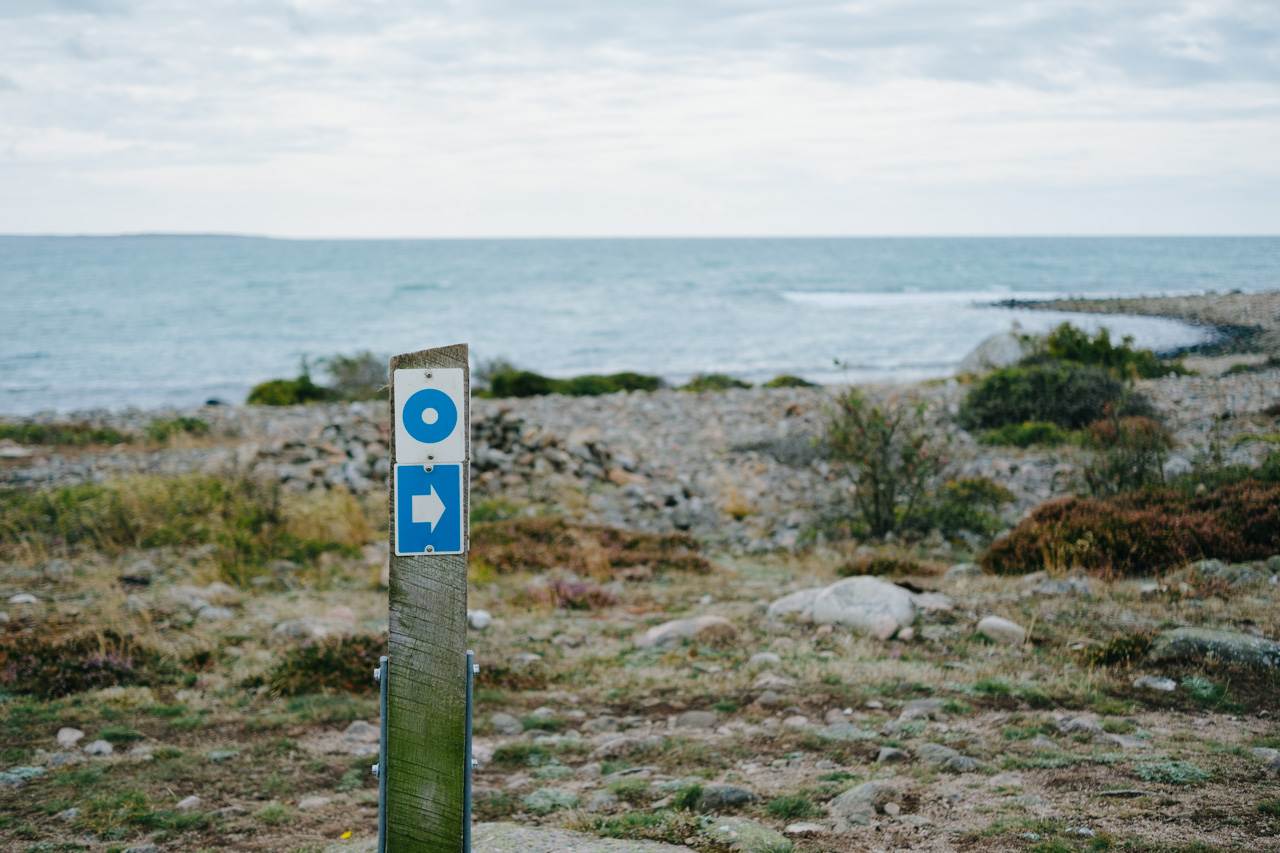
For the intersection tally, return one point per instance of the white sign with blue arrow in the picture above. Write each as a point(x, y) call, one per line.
point(429, 509)
point(431, 415)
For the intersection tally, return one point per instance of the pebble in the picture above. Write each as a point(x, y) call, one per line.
point(697, 720)
point(99, 747)
point(24, 598)
point(186, 804)
point(478, 620)
point(1150, 682)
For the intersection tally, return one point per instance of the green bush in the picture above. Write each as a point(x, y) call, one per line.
point(786, 380)
point(332, 665)
point(1067, 343)
point(713, 382)
point(160, 430)
point(1026, 434)
point(1144, 532)
point(1173, 772)
point(525, 383)
point(890, 451)
point(61, 434)
point(1067, 395)
point(289, 392)
point(1272, 363)
point(968, 504)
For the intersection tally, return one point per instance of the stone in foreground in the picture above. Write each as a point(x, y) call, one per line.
point(859, 602)
point(1216, 646)
point(513, 838)
point(1002, 631)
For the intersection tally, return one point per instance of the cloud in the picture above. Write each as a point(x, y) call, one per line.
point(459, 115)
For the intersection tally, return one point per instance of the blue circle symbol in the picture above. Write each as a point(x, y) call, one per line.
point(446, 416)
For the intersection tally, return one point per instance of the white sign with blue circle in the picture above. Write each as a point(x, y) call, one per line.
point(431, 415)
point(429, 510)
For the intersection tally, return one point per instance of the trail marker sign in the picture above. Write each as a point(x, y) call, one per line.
point(424, 768)
point(429, 516)
point(431, 422)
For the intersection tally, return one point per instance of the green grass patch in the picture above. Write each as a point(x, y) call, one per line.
point(793, 807)
point(1173, 772)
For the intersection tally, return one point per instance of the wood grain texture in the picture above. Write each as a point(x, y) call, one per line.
point(426, 696)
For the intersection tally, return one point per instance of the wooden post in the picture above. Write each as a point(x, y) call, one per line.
point(426, 702)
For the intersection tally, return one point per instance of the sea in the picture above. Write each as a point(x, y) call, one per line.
point(152, 321)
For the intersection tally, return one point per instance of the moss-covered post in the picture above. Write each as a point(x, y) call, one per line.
point(426, 703)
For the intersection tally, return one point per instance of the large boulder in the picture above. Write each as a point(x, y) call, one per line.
point(1216, 646)
point(1002, 350)
point(859, 602)
point(797, 602)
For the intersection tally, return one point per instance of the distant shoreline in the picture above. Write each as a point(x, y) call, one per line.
point(1248, 322)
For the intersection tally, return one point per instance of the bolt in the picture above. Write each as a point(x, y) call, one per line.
point(376, 770)
point(474, 763)
point(377, 673)
point(430, 548)
point(475, 668)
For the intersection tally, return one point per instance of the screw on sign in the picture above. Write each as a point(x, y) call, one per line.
point(425, 765)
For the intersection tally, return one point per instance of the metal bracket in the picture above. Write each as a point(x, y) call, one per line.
point(381, 675)
point(468, 757)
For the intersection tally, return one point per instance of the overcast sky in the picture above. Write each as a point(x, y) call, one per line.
point(639, 117)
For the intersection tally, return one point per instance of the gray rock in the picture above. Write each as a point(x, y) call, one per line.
point(1151, 682)
point(748, 836)
point(1066, 586)
point(1002, 631)
point(24, 598)
point(891, 755)
point(716, 798)
point(142, 848)
point(99, 747)
point(800, 603)
point(362, 732)
point(963, 570)
point(478, 620)
point(506, 724)
point(704, 629)
point(1000, 350)
point(947, 758)
point(773, 681)
point(140, 573)
point(859, 602)
point(1080, 725)
point(863, 801)
point(1177, 466)
point(697, 720)
point(845, 731)
point(69, 737)
point(921, 709)
point(1204, 644)
point(601, 800)
point(214, 614)
point(760, 659)
point(186, 804)
point(69, 814)
point(604, 723)
point(547, 800)
point(515, 838)
point(16, 777)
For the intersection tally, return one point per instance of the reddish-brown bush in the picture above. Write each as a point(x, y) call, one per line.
point(1143, 532)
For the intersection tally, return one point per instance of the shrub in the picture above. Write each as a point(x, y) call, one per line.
point(713, 382)
point(567, 595)
point(792, 808)
point(1173, 772)
point(1067, 395)
point(58, 667)
point(541, 544)
point(1067, 343)
point(61, 434)
point(1272, 363)
point(160, 430)
point(968, 504)
point(362, 376)
point(247, 521)
point(1131, 454)
point(289, 392)
point(1144, 532)
point(524, 383)
point(1124, 650)
point(786, 380)
point(334, 664)
point(878, 566)
point(889, 450)
point(1027, 434)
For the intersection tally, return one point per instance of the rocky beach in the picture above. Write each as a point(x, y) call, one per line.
point(777, 688)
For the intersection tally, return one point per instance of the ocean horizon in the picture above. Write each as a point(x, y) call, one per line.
point(146, 321)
